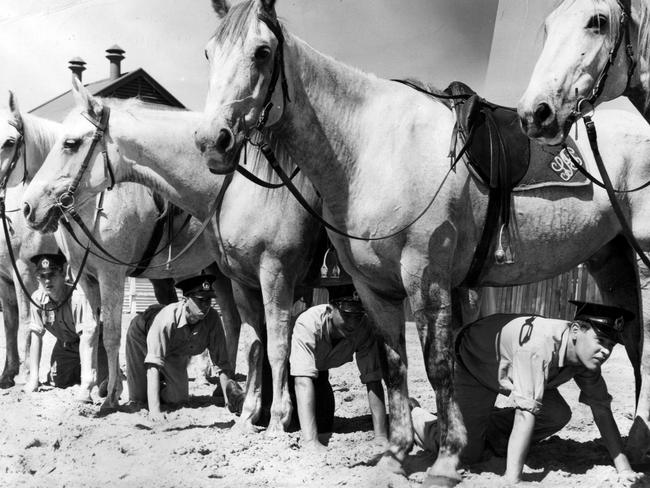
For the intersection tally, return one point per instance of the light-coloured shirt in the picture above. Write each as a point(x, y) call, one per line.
point(313, 349)
point(172, 338)
point(521, 356)
point(67, 322)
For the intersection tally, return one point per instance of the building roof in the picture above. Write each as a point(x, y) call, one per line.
point(137, 83)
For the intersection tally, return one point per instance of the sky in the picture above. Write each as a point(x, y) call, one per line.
point(434, 40)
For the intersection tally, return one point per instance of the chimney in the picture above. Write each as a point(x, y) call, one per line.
point(76, 65)
point(115, 55)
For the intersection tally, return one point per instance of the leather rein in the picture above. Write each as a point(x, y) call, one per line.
point(66, 203)
point(256, 138)
point(579, 112)
point(20, 142)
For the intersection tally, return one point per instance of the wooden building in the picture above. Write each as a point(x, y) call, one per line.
point(138, 292)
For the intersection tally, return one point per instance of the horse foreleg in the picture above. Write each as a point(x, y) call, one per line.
point(434, 322)
point(229, 314)
point(388, 317)
point(89, 340)
point(11, 321)
point(249, 304)
point(163, 290)
point(111, 285)
point(277, 292)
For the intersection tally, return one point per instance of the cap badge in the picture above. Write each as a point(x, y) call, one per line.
point(45, 263)
point(618, 324)
point(206, 285)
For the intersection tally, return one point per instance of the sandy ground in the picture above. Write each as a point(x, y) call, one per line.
point(49, 440)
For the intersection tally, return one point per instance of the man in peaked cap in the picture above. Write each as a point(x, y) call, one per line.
point(526, 358)
point(324, 337)
point(160, 343)
point(65, 313)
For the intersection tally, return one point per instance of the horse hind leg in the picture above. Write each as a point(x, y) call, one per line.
point(435, 327)
point(615, 271)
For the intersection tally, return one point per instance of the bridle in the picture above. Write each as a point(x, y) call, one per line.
point(66, 202)
point(256, 138)
point(20, 147)
point(20, 143)
point(586, 104)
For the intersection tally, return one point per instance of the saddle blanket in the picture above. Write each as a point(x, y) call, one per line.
point(552, 166)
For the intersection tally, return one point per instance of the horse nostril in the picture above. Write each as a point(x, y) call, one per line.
point(224, 141)
point(542, 113)
point(27, 211)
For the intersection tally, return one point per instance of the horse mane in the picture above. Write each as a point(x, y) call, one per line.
point(234, 22)
point(643, 56)
point(42, 132)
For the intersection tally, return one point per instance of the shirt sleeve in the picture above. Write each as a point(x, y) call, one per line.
point(218, 347)
point(82, 314)
point(36, 324)
point(303, 351)
point(593, 390)
point(529, 374)
point(367, 355)
point(158, 340)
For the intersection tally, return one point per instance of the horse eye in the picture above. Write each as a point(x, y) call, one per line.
point(9, 143)
point(262, 53)
point(71, 144)
point(597, 22)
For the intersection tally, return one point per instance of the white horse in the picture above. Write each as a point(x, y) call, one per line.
point(263, 240)
point(377, 152)
point(581, 38)
point(19, 149)
point(124, 228)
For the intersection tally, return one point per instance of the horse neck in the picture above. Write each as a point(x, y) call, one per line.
point(327, 97)
point(40, 136)
point(160, 152)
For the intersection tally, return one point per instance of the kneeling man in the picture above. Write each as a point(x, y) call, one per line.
point(65, 313)
point(159, 347)
point(324, 337)
point(526, 358)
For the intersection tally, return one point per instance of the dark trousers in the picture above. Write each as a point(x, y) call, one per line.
point(324, 401)
point(65, 364)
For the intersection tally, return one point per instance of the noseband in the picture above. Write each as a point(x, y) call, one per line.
point(66, 200)
point(586, 104)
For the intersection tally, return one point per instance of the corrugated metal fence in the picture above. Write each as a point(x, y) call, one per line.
point(549, 297)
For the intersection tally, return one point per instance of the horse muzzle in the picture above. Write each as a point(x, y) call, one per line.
point(46, 223)
point(221, 153)
point(541, 123)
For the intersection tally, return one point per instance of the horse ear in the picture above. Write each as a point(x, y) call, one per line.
point(13, 104)
point(268, 5)
point(84, 99)
point(221, 7)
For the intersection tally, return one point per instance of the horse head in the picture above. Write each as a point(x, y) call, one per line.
point(584, 61)
point(247, 88)
point(77, 167)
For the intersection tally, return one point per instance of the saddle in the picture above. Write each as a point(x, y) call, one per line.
point(498, 152)
point(495, 146)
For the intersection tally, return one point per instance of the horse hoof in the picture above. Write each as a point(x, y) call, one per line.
point(390, 464)
point(102, 389)
point(438, 481)
point(7, 383)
